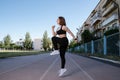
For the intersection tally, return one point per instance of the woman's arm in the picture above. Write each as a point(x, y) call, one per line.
point(53, 31)
point(68, 30)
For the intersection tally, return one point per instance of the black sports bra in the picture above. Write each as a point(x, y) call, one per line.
point(61, 31)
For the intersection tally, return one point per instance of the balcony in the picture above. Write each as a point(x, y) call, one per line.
point(108, 9)
point(96, 18)
point(106, 3)
point(110, 19)
point(87, 23)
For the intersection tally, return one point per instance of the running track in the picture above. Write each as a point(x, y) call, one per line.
point(45, 67)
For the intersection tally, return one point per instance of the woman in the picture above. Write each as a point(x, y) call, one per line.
point(62, 41)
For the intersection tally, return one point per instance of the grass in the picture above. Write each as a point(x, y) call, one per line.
point(7, 54)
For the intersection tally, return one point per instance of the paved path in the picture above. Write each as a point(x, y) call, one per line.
point(45, 67)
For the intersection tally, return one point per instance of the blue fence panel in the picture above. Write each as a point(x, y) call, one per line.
point(89, 47)
point(108, 45)
point(112, 44)
point(98, 46)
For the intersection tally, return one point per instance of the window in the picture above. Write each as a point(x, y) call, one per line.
point(115, 25)
point(108, 28)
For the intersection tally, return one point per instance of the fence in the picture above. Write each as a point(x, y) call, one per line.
point(108, 45)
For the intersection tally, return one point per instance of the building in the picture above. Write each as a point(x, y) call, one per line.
point(104, 17)
point(110, 14)
point(38, 44)
point(80, 30)
point(96, 20)
point(20, 42)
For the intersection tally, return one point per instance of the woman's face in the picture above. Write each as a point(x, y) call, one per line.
point(58, 21)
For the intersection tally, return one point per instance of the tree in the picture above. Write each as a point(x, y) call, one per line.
point(1, 44)
point(49, 44)
point(86, 36)
point(7, 41)
point(72, 44)
point(27, 42)
point(46, 41)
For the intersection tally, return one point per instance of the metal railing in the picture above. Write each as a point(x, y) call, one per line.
point(108, 45)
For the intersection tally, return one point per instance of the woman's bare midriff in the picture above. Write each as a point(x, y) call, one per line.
point(62, 35)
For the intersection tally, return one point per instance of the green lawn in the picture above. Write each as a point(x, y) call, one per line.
point(7, 54)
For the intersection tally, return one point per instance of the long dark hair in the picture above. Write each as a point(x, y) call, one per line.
point(62, 21)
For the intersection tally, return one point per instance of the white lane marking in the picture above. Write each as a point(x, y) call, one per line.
point(82, 69)
point(22, 65)
point(49, 68)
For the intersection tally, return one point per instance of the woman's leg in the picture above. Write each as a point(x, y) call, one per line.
point(63, 47)
point(62, 55)
point(55, 42)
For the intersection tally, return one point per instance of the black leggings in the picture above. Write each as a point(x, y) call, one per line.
point(61, 44)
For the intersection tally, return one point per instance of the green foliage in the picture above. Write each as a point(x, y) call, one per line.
point(46, 41)
point(72, 44)
point(12, 46)
point(27, 41)
point(49, 44)
point(86, 36)
point(1, 44)
point(112, 31)
point(7, 41)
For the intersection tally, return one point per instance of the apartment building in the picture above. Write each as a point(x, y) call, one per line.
point(80, 30)
point(110, 14)
point(105, 16)
point(96, 20)
point(20, 42)
point(85, 26)
point(38, 44)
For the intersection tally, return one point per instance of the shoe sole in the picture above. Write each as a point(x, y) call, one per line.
point(53, 54)
point(63, 73)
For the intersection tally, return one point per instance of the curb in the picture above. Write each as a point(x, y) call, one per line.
point(108, 61)
point(104, 60)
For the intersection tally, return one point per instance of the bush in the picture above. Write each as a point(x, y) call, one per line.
point(112, 31)
point(86, 36)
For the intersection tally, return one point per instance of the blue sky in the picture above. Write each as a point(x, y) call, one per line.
point(35, 16)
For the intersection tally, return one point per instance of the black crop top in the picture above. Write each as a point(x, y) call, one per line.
point(61, 31)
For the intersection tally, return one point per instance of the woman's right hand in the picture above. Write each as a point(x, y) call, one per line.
point(53, 32)
point(53, 27)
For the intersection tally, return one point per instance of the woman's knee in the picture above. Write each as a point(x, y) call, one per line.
point(53, 38)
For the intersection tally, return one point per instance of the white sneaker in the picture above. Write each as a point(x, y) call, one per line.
point(61, 72)
point(54, 52)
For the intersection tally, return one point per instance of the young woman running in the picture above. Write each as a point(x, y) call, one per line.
point(62, 41)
